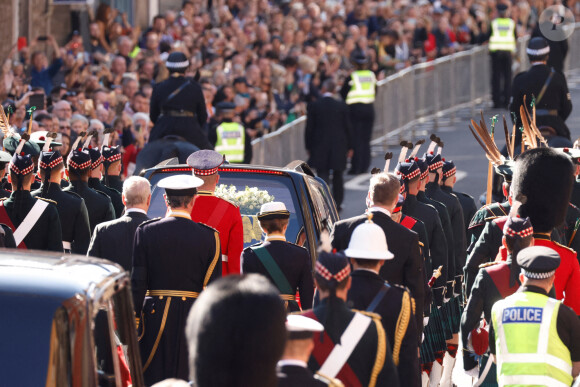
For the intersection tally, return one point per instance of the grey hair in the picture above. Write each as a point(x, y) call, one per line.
point(136, 190)
point(79, 117)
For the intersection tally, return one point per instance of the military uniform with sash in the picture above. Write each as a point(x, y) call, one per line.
point(285, 264)
point(177, 105)
point(364, 357)
point(174, 259)
point(218, 213)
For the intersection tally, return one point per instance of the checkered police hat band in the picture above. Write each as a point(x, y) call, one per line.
point(532, 275)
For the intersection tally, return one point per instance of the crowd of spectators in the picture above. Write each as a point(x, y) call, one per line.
point(268, 57)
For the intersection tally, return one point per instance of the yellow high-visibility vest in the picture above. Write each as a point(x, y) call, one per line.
point(362, 87)
point(231, 139)
point(502, 35)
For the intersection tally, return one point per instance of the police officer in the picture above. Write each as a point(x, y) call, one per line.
point(292, 369)
point(495, 281)
point(466, 201)
point(218, 213)
point(406, 268)
point(547, 86)
point(34, 221)
point(367, 360)
point(98, 203)
point(95, 175)
point(358, 91)
point(177, 105)
point(174, 259)
point(73, 214)
point(112, 166)
point(229, 137)
point(368, 252)
point(502, 45)
point(535, 339)
point(287, 265)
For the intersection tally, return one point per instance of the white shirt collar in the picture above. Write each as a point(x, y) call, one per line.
point(380, 209)
point(179, 214)
point(127, 210)
point(275, 237)
point(292, 362)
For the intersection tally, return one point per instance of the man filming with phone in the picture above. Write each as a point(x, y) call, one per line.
point(42, 73)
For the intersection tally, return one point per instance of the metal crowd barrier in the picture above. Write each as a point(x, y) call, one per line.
point(423, 92)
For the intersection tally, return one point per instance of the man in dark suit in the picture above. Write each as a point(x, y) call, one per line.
point(292, 369)
point(328, 138)
point(287, 265)
point(368, 252)
point(113, 240)
point(174, 259)
point(406, 268)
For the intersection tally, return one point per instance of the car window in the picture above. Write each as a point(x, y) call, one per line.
point(249, 191)
point(324, 218)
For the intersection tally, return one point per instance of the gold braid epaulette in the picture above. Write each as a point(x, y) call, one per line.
point(402, 325)
point(381, 352)
point(214, 261)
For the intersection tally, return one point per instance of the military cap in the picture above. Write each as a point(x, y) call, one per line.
point(399, 205)
point(205, 162)
point(538, 262)
point(505, 170)
point(39, 138)
point(301, 327)
point(538, 46)
point(518, 227)
point(4, 158)
point(368, 241)
point(331, 269)
point(49, 160)
point(501, 7)
point(448, 169)
point(423, 166)
point(110, 154)
point(177, 61)
point(21, 164)
point(433, 160)
point(273, 210)
point(96, 157)
point(79, 160)
point(573, 153)
point(11, 143)
point(407, 170)
point(180, 185)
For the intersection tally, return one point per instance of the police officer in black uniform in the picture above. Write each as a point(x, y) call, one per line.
point(98, 203)
point(95, 174)
point(74, 217)
point(548, 86)
point(368, 252)
point(467, 202)
point(174, 259)
point(177, 105)
point(42, 230)
point(287, 265)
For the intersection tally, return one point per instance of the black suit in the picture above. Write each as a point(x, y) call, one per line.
point(406, 268)
point(294, 375)
point(294, 262)
point(73, 214)
point(328, 137)
point(396, 311)
point(98, 203)
point(554, 107)
point(113, 240)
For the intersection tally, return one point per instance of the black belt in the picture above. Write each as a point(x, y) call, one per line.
point(177, 113)
point(546, 112)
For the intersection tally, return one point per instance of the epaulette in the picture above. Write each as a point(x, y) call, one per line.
point(112, 189)
point(421, 244)
point(210, 227)
point(374, 316)
point(102, 193)
point(73, 193)
point(488, 264)
point(402, 287)
point(464, 194)
point(47, 200)
point(565, 247)
point(327, 380)
point(491, 218)
point(150, 221)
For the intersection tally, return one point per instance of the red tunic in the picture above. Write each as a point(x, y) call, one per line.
point(226, 218)
point(567, 274)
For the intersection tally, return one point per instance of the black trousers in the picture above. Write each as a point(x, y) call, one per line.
point(337, 184)
point(362, 117)
point(501, 78)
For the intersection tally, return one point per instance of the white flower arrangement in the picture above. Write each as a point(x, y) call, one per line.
point(249, 200)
